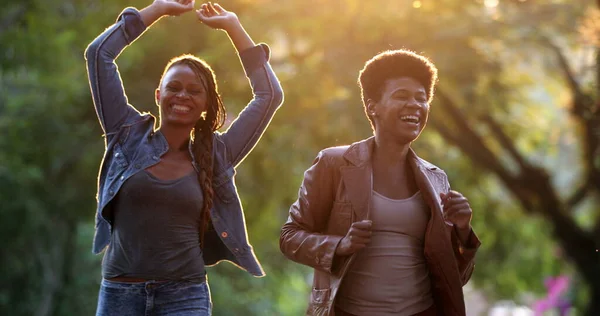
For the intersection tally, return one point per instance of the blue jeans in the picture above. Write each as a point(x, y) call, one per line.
point(172, 298)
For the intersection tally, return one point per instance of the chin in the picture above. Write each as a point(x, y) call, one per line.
point(405, 139)
point(181, 123)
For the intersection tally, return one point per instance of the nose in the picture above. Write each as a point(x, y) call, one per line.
point(412, 103)
point(182, 94)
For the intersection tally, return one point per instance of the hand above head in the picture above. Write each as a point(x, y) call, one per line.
point(216, 17)
point(160, 8)
point(457, 209)
point(174, 7)
point(357, 238)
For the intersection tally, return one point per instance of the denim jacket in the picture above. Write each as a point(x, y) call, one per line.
point(133, 145)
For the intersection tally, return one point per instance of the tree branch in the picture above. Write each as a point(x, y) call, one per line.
point(565, 67)
point(473, 146)
point(505, 141)
point(579, 194)
point(531, 187)
point(467, 137)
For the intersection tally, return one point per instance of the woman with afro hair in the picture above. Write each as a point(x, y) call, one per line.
point(381, 227)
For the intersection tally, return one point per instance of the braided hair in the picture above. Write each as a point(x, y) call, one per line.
point(202, 134)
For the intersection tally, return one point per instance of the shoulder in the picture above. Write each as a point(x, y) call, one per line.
point(144, 119)
point(334, 152)
point(333, 156)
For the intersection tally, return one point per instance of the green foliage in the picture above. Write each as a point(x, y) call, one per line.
point(51, 143)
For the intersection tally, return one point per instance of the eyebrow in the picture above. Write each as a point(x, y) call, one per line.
point(199, 84)
point(407, 90)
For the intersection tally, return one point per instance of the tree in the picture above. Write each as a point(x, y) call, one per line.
point(496, 128)
point(482, 93)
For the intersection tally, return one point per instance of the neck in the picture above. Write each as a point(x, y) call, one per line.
point(177, 137)
point(390, 153)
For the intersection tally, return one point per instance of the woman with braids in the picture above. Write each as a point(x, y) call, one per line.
point(167, 203)
point(380, 226)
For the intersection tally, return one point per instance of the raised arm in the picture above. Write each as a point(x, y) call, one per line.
point(302, 237)
point(105, 81)
point(246, 130)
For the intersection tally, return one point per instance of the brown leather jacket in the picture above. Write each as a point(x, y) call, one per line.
point(335, 193)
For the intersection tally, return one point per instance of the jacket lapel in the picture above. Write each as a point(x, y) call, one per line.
point(438, 247)
point(355, 175)
point(425, 179)
point(436, 236)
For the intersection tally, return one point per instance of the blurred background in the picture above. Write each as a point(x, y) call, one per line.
point(515, 123)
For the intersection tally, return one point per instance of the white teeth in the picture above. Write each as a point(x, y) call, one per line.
point(181, 108)
point(410, 118)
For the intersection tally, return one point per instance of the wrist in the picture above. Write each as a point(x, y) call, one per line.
point(233, 26)
point(463, 234)
point(338, 251)
point(152, 13)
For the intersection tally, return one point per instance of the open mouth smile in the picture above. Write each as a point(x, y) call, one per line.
point(413, 119)
point(181, 109)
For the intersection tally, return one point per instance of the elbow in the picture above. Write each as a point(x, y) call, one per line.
point(97, 49)
point(91, 51)
point(283, 240)
point(277, 95)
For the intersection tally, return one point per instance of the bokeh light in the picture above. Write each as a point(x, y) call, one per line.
point(491, 3)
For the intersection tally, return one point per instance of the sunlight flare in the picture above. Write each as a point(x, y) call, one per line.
point(491, 3)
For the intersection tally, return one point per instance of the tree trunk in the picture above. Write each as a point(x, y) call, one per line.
point(66, 276)
point(593, 307)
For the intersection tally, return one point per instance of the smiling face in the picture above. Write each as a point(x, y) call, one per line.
point(402, 110)
point(181, 97)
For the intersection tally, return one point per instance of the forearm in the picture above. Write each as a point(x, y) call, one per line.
point(311, 249)
point(240, 39)
point(465, 244)
point(105, 81)
point(301, 237)
point(248, 127)
point(151, 14)
point(463, 234)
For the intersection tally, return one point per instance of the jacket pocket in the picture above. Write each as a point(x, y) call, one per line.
point(319, 302)
point(224, 187)
point(117, 163)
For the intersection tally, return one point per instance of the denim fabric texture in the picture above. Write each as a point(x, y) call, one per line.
point(133, 144)
point(173, 298)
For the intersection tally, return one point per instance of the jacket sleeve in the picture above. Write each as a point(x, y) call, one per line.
point(465, 253)
point(301, 238)
point(105, 81)
point(248, 127)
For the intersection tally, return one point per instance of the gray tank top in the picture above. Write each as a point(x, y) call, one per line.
point(155, 230)
point(390, 275)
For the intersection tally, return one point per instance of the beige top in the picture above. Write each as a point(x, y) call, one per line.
point(390, 275)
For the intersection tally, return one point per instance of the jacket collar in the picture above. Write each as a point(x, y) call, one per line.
point(359, 173)
point(361, 152)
